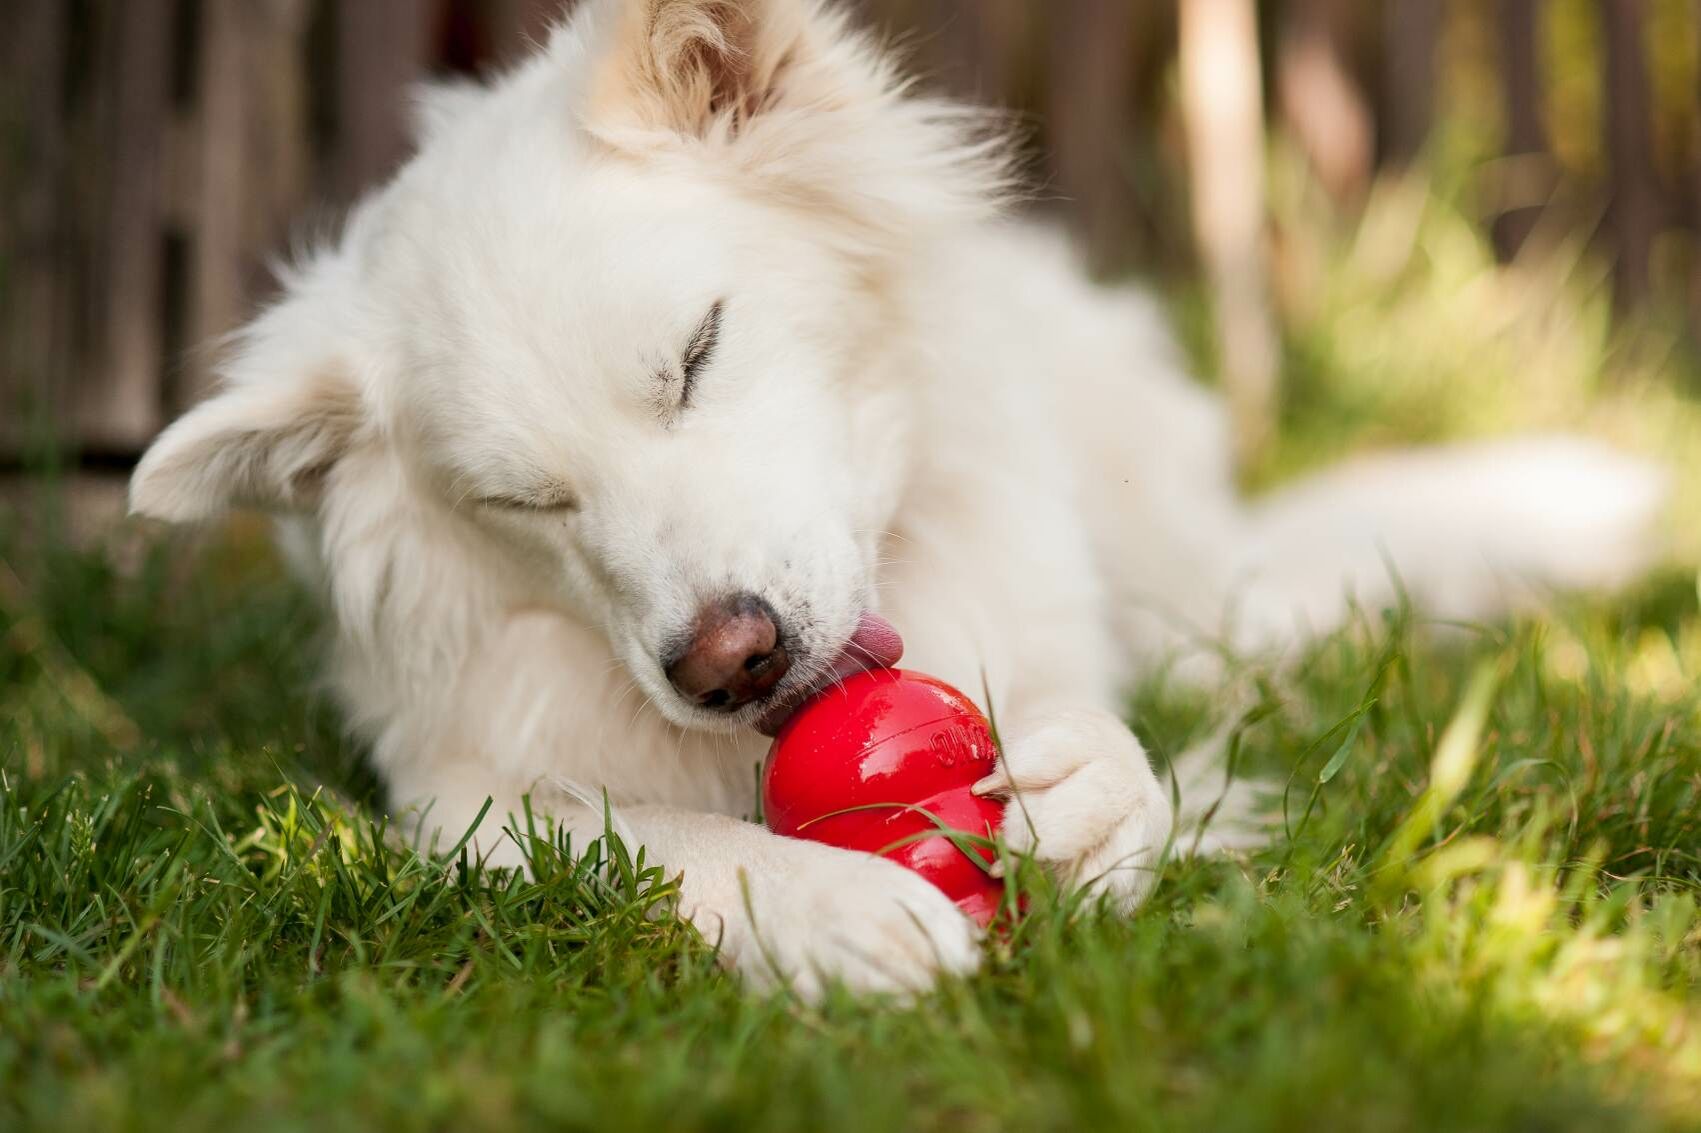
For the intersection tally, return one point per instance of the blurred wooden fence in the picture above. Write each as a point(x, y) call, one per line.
point(159, 153)
point(156, 153)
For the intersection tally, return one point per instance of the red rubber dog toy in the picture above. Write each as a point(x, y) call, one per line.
point(864, 763)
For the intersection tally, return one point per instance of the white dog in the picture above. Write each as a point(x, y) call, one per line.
point(678, 351)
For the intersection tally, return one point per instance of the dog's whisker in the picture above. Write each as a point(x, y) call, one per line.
point(855, 649)
point(625, 691)
point(884, 533)
point(644, 701)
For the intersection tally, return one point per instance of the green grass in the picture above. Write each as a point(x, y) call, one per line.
point(1482, 912)
point(202, 924)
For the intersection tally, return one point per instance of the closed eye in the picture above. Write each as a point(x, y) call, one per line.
point(553, 499)
point(698, 352)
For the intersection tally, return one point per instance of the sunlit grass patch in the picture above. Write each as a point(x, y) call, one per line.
point(1401, 326)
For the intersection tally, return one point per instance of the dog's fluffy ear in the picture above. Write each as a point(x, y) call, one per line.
point(817, 115)
point(267, 445)
point(289, 411)
point(695, 67)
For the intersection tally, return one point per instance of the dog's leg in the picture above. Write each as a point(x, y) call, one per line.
point(785, 912)
point(782, 912)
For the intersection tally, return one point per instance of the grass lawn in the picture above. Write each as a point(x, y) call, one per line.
point(1485, 916)
point(1482, 914)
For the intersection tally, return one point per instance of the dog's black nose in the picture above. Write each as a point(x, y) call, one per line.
point(735, 655)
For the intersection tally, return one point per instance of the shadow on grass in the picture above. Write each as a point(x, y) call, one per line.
point(202, 648)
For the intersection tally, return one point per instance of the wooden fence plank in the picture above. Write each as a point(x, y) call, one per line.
point(982, 51)
point(1001, 47)
point(1526, 147)
point(1695, 191)
point(1411, 39)
point(34, 331)
point(250, 170)
point(119, 401)
point(518, 27)
point(1634, 212)
point(974, 49)
point(223, 180)
point(383, 48)
point(1222, 103)
point(1090, 94)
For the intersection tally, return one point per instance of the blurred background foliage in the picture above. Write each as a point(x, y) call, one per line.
point(1375, 220)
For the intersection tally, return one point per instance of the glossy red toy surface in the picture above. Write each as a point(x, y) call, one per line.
point(859, 763)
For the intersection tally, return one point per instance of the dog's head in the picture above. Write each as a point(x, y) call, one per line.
point(626, 322)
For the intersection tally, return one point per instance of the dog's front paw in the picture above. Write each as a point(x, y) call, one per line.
point(1084, 801)
point(811, 915)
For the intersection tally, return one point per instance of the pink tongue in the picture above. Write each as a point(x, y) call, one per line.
point(873, 645)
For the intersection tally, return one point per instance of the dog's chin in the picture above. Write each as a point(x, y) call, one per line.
point(765, 715)
point(681, 713)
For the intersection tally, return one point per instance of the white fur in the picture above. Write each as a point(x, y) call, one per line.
point(913, 405)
